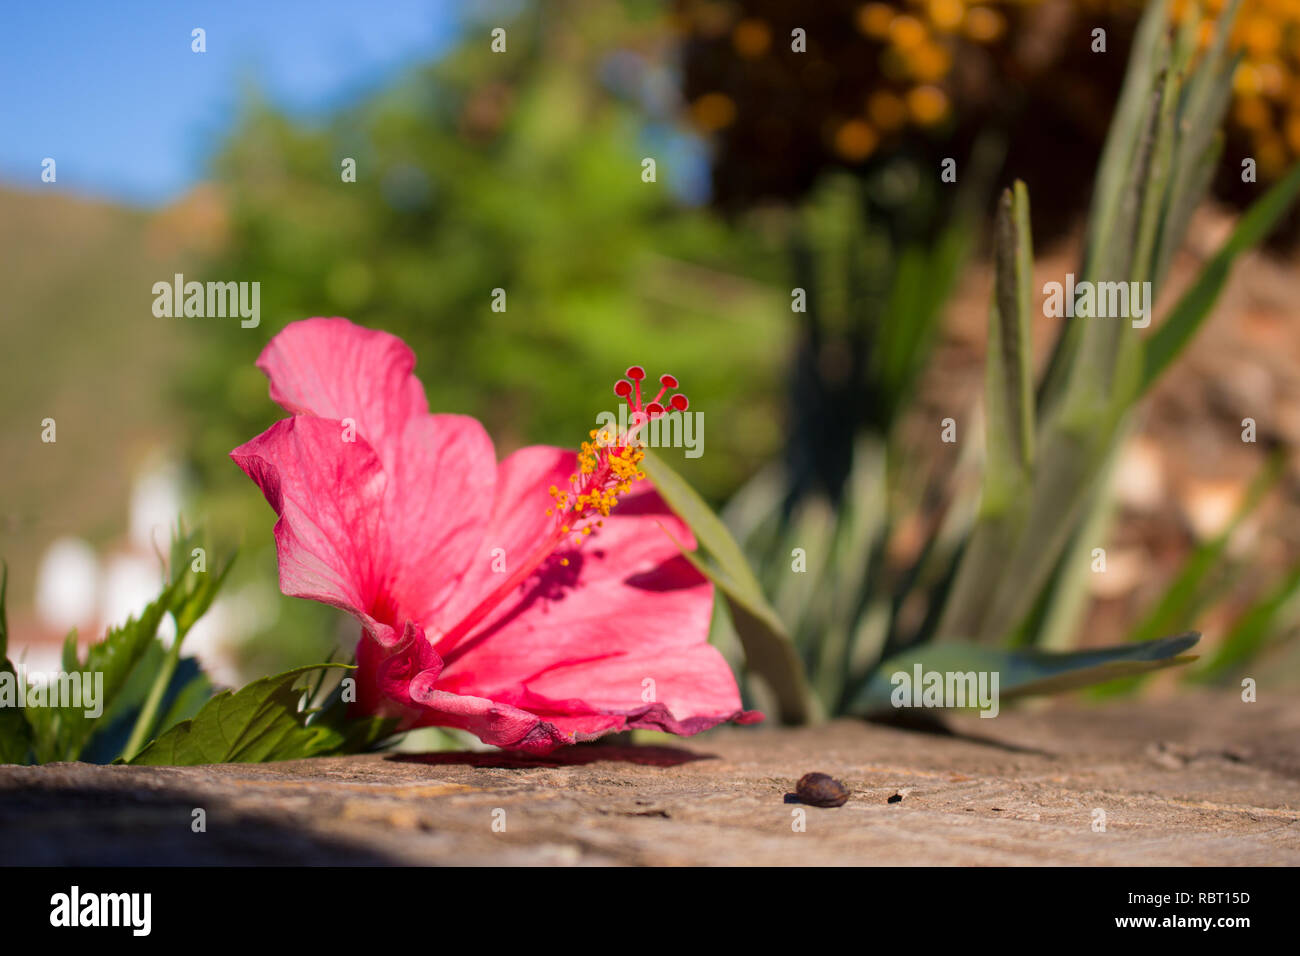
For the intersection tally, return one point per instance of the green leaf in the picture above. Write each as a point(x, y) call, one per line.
point(193, 593)
point(187, 703)
point(1148, 56)
point(1251, 632)
point(1185, 595)
point(1009, 380)
point(261, 722)
point(15, 732)
point(63, 732)
point(1009, 403)
point(769, 651)
point(1025, 672)
point(1207, 92)
point(1056, 618)
point(1191, 310)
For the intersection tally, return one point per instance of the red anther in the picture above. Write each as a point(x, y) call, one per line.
point(654, 409)
point(636, 373)
point(622, 388)
point(680, 402)
point(668, 381)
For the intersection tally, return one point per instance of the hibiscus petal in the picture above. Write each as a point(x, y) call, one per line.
point(328, 494)
point(441, 469)
point(442, 488)
point(400, 681)
point(689, 683)
point(579, 719)
point(517, 526)
point(388, 675)
point(332, 368)
point(492, 721)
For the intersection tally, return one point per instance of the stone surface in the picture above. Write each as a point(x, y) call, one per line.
point(1197, 780)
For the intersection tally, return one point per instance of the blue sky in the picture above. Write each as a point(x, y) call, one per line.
point(112, 91)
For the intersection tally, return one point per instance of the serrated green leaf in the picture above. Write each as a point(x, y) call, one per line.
point(193, 592)
point(769, 651)
point(197, 600)
point(61, 733)
point(261, 722)
point(1025, 672)
point(188, 701)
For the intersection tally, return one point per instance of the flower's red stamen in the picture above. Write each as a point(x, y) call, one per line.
point(636, 373)
point(668, 382)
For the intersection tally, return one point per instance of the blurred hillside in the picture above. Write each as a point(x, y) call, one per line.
point(79, 344)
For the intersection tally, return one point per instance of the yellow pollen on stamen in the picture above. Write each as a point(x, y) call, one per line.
point(606, 472)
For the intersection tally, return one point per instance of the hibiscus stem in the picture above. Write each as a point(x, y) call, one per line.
point(140, 733)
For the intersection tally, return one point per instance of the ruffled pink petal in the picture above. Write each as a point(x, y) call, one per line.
point(387, 675)
point(334, 369)
point(440, 469)
point(328, 494)
point(580, 720)
point(689, 682)
point(492, 721)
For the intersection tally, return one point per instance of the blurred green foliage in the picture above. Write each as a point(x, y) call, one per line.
point(520, 173)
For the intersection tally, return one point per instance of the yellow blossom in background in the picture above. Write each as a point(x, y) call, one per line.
point(916, 43)
point(751, 38)
point(855, 140)
point(713, 111)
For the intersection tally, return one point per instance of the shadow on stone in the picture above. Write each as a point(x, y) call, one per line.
point(122, 826)
point(931, 725)
point(645, 756)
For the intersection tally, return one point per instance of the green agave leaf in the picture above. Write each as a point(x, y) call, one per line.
point(1056, 618)
point(1205, 99)
point(1148, 57)
point(1025, 672)
point(261, 722)
point(1012, 376)
point(800, 598)
point(769, 652)
point(1251, 631)
point(1191, 310)
point(15, 732)
point(1008, 397)
point(1185, 595)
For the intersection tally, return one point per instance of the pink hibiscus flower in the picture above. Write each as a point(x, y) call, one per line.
point(535, 602)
